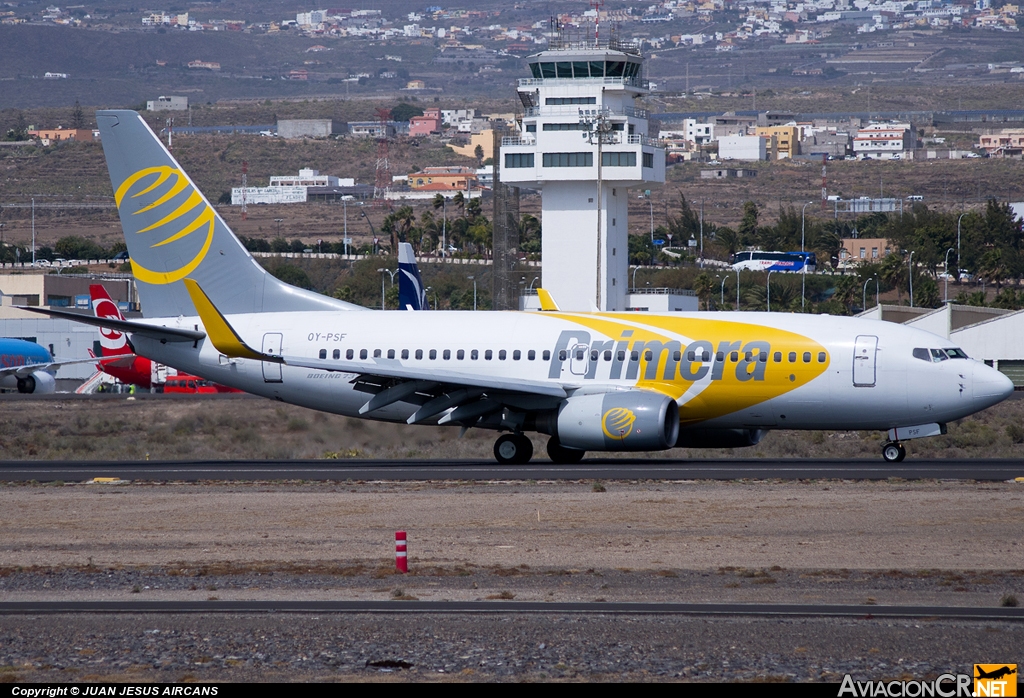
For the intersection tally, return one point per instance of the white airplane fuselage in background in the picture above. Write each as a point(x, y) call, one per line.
point(592, 381)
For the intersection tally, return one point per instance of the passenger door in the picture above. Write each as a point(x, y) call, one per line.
point(864, 362)
point(272, 347)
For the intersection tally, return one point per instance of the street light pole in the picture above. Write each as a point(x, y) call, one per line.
point(473, 279)
point(722, 302)
point(803, 271)
point(958, 264)
point(864, 293)
point(769, 286)
point(945, 293)
point(737, 289)
point(392, 273)
point(910, 277)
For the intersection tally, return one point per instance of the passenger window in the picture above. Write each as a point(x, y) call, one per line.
point(488, 355)
point(735, 356)
point(634, 355)
point(720, 356)
point(821, 357)
point(405, 353)
point(460, 354)
point(323, 353)
point(376, 353)
point(419, 354)
point(561, 355)
point(349, 354)
point(391, 353)
point(607, 354)
point(763, 357)
point(792, 357)
point(922, 354)
point(649, 355)
point(362, 353)
point(807, 357)
point(690, 356)
point(621, 356)
point(579, 355)
point(750, 355)
point(531, 355)
point(474, 355)
point(516, 355)
point(337, 354)
point(447, 354)
point(593, 355)
point(676, 355)
point(546, 355)
point(433, 354)
point(501, 355)
point(777, 357)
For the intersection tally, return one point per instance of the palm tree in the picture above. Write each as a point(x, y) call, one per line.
point(894, 272)
point(704, 287)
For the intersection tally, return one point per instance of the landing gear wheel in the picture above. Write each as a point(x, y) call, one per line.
point(513, 449)
point(562, 455)
point(894, 452)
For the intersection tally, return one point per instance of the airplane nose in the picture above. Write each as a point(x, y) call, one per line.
point(989, 385)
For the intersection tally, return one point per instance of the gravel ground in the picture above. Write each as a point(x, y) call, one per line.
point(920, 543)
point(435, 647)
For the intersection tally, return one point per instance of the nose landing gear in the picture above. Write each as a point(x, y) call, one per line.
point(894, 452)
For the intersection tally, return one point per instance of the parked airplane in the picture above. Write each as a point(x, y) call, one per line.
point(591, 381)
point(121, 362)
point(28, 367)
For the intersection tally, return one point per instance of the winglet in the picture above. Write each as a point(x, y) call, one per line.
point(221, 334)
point(546, 301)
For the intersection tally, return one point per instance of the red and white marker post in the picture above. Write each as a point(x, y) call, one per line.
point(401, 559)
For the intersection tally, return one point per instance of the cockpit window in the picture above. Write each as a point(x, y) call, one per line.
point(938, 355)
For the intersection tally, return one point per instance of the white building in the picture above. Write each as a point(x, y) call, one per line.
point(698, 133)
point(167, 104)
point(743, 148)
point(884, 141)
point(310, 178)
point(574, 94)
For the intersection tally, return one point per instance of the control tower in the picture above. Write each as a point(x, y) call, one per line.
point(584, 142)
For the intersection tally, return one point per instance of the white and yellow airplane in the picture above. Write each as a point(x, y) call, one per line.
point(591, 381)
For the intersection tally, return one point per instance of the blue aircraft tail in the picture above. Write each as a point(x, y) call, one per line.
point(411, 294)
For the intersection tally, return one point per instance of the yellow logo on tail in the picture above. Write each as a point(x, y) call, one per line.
point(199, 215)
point(617, 422)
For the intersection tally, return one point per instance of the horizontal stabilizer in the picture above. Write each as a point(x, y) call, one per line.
point(222, 334)
point(157, 332)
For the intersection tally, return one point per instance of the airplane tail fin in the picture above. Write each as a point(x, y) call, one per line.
point(411, 293)
point(112, 342)
point(172, 232)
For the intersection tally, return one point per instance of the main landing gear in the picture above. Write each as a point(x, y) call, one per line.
point(894, 452)
point(513, 449)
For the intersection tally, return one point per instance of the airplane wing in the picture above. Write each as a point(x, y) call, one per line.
point(29, 369)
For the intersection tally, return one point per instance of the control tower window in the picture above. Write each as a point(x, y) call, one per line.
point(614, 69)
point(581, 69)
point(563, 69)
point(597, 69)
point(535, 69)
point(547, 70)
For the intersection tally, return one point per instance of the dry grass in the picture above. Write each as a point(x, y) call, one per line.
point(253, 428)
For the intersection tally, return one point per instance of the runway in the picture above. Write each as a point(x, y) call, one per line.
point(991, 470)
point(514, 607)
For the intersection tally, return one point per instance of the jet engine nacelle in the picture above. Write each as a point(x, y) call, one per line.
point(633, 420)
point(38, 382)
point(719, 438)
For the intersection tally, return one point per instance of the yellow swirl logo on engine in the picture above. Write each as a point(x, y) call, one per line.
point(191, 216)
point(617, 423)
